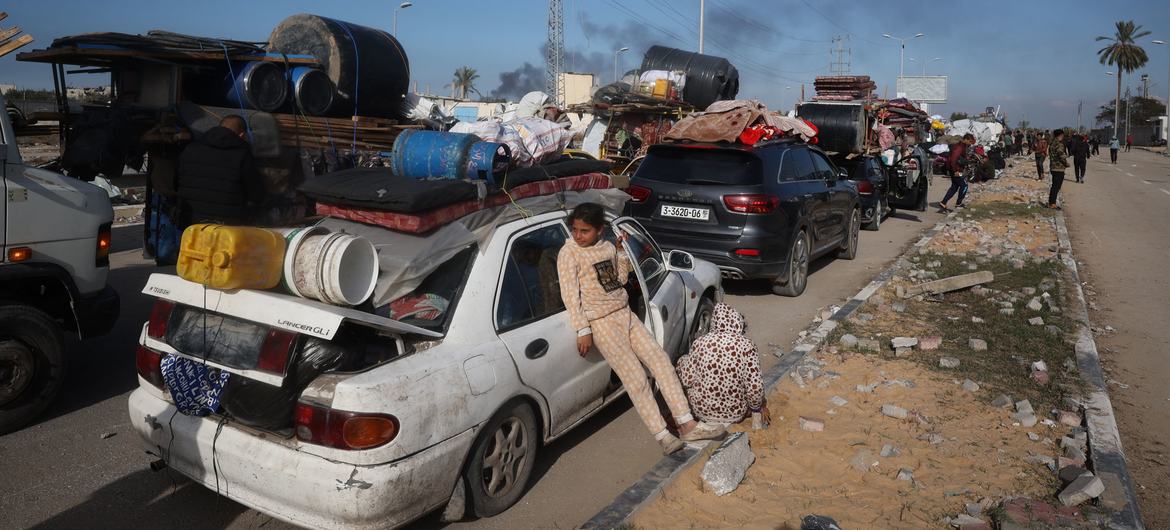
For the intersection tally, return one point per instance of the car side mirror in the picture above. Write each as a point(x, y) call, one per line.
point(680, 261)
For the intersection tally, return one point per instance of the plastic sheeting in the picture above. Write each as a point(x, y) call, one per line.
point(531, 140)
point(406, 260)
point(986, 133)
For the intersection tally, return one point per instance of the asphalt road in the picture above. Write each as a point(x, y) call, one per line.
point(1118, 222)
point(81, 466)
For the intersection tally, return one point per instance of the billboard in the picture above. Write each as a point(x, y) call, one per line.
point(925, 89)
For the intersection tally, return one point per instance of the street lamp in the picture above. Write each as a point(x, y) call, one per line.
point(902, 67)
point(1167, 151)
point(621, 50)
point(394, 28)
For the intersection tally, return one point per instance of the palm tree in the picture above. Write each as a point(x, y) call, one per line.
point(1124, 52)
point(464, 81)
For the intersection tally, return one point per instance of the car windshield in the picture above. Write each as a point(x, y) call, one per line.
point(432, 303)
point(698, 166)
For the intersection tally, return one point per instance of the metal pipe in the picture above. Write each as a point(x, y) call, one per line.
point(702, 9)
point(623, 49)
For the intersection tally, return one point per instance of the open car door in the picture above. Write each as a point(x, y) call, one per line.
point(664, 290)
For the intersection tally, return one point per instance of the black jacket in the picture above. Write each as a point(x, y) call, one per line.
point(1079, 150)
point(218, 181)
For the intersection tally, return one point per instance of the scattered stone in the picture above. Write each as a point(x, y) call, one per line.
point(1034, 437)
point(1026, 419)
point(1064, 461)
point(889, 450)
point(974, 509)
point(867, 389)
point(818, 522)
point(864, 460)
point(1035, 305)
point(1072, 419)
point(864, 317)
point(1070, 473)
point(970, 386)
point(948, 362)
point(108, 435)
point(900, 291)
point(977, 344)
point(1024, 406)
point(811, 424)
point(966, 522)
point(933, 342)
point(869, 345)
point(934, 438)
point(906, 474)
point(895, 411)
point(1075, 453)
point(728, 464)
point(848, 340)
point(898, 307)
point(904, 342)
point(1036, 321)
point(1084, 488)
point(1002, 401)
point(1041, 377)
point(1029, 291)
point(953, 283)
point(976, 320)
point(1017, 513)
point(1053, 329)
point(838, 401)
point(1007, 311)
point(1042, 459)
point(796, 378)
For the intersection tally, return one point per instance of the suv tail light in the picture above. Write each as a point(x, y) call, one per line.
point(865, 187)
point(751, 203)
point(275, 351)
point(160, 316)
point(342, 429)
point(104, 240)
point(149, 365)
point(747, 252)
point(638, 193)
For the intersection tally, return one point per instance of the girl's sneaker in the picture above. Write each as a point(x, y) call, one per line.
point(670, 444)
point(704, 431)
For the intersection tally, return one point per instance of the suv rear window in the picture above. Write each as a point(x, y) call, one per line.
point(699, 166)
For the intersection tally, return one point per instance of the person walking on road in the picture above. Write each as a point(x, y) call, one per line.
point(1094, 145)
point(1113, 147)
point(1128, 142)
point(593, 275)
point(956, 162)
point(1041, 151)
point(1057, 163)
point(1080, 154)
point(721, 374)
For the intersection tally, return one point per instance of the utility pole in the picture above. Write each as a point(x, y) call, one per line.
point(702, 10)
point(1145, 85)
point(842, 57)
point(1128, 100)
point(554, 59)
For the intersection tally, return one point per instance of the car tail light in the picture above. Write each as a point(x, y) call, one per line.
point(342, 429)
point(747, 252)
point(751, 203)
point(638, 193)
point(149, 364)
point(160, 316)
point(865, 187)
point(104, 240)
point(275, 351)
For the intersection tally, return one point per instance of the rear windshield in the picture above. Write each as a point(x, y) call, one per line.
point(698, 166)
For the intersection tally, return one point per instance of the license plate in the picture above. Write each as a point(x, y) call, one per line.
point(683, 212)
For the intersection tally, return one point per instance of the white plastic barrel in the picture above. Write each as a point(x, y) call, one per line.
point(335, 268)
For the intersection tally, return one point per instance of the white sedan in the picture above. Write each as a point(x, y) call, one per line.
point(445, 403)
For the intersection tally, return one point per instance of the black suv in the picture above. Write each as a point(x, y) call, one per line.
point(762, 211)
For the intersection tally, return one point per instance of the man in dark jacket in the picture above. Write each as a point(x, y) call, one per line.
point(1080, 154)
point(218, 181)
point(1057, 163)
point(956, 165)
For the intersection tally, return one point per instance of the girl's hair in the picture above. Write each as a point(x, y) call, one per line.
point(591, 213)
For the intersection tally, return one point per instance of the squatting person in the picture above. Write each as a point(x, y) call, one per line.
point(592, 275)
point(721, 374)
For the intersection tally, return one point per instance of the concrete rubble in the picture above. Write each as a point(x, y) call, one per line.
point(728, 465)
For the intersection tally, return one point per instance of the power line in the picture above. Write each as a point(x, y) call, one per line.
point(834, 22)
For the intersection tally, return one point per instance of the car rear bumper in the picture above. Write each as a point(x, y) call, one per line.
point(270, 475)
point(771, 264)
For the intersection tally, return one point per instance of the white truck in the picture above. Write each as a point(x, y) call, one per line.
point(55, 235)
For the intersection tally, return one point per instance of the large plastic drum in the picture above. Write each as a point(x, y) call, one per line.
point(312, 90)
point(259, 85)
point(368, 66)
point(709, 78)
point(841, 127)
point(434, 155)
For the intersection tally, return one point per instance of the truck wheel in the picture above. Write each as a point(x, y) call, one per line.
point(798, 257)
point(502, 460)
point(848, 248)
point(32, 364)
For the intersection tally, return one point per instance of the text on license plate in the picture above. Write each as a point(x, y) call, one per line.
point(701, 214)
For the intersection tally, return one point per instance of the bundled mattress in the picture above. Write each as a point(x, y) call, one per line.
point(378, 188)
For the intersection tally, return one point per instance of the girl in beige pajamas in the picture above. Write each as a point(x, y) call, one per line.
point(592, 276)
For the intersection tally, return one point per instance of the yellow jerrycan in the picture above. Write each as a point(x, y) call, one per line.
point(231, 257)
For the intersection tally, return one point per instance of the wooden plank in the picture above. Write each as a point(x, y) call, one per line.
point(9, 33)
point(953, 283)
point(76, 55)
point(15, 45)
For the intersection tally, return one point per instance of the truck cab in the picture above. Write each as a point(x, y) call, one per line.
point(55, 234)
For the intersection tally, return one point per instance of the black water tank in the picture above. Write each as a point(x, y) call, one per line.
point(841, 127)
point(368, 66)
point(709, 78)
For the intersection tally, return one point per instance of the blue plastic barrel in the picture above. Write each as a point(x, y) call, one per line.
point(312, 90)
point(443, 155)
point(259, 85)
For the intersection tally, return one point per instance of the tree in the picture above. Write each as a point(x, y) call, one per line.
point(464, 81)
point(956, 116)
point(1123, 52)
point(1139, 109)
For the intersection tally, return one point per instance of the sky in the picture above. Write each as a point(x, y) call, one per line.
point(1035, 59)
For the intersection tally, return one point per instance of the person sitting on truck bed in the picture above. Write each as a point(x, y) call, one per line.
point(218, 181)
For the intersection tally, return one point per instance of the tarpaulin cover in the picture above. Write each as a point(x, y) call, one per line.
point(194, 387)
point(723, 121)
point(986, 133)
point(421, 222)
point(531, 140)
point(377, 188)
point(405, 260)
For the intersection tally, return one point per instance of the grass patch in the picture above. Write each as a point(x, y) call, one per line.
point(1000, 209)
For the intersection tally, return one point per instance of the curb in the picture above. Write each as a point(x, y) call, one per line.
point(1104, 439)
point(649, 487)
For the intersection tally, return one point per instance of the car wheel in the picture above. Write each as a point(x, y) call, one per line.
point(798, 258)
point(702, 320)
point(502, 460)
point(923, 194)
point(878, 214)
point(32, 364)
point(849, 248)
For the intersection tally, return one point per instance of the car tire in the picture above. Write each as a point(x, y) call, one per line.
point(799, 255)
point(852, 236)
point(923, 194)
point(879, 212)
point(702, 322)
point(502, 460)
point(32, 364)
